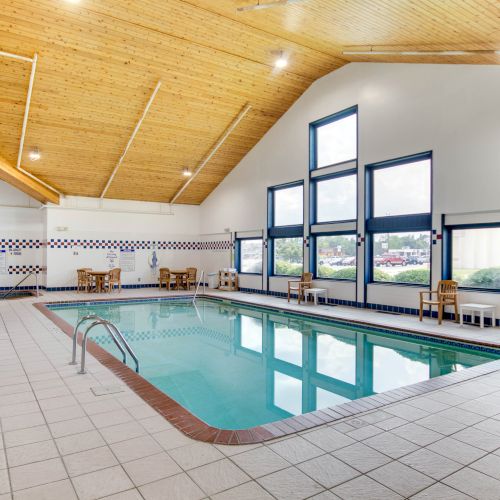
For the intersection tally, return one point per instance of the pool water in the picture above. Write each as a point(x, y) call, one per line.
point(236, 366)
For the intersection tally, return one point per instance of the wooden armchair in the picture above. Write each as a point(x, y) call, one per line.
point(446, 295)
point(191, 277)
point(300, 286)
point(165, 277)
point(114, 278)
point(84, 280)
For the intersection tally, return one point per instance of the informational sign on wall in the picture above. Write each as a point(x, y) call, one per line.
point(112, 260)
point(3, 261)
point(127, 260)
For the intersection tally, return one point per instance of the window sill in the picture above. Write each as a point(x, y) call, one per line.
point(393, 283)
point(240, 273)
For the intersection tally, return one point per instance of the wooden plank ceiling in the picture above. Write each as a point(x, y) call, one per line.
point(99, 61)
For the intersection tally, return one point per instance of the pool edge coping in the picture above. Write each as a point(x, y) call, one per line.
point(183, 420)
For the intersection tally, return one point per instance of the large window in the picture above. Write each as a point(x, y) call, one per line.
point(288, 206)
point(403, 189)
point(336, 256)
point(398, 208)
point(288, 256)
point(402, 257)
point(286, 229)
point(335, 139)
point(476, 258)
point(336, 198)
point(250, 255)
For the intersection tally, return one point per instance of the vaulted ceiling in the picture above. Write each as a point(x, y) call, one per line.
point(99, 61)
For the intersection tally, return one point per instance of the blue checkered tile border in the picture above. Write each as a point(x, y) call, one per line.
point(12, 244)
point(141, 245)
point(26, 269)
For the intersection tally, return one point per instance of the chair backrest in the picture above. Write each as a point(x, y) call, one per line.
point(164, 272)
point(82, 274)
point(447, 289)
point(306, 277)
point(115, 274)
point(191, 272)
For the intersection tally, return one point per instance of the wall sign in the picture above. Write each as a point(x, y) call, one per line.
point(127, 260)
point(3, 261)
point(111, 259)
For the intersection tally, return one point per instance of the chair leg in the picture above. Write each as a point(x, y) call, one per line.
point(455, 305)
point(288, 293)
point(440, 313)
point(421, 312)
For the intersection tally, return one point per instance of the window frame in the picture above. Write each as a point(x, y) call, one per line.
point(271, 247)
point(408, 223)
point(313, 212)
point(313, 142)
point(313, 246)
point(238, 254)
point(447, 252)
point(280, 232)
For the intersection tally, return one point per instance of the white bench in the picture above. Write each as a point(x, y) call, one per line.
point(315, 292)
point(481, 308)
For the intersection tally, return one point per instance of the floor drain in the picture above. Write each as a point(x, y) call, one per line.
point(103, 390)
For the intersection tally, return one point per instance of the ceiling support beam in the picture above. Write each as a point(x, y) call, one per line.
point(27, 110)
point(214, 150)
point(27, 183)
point(134, 133)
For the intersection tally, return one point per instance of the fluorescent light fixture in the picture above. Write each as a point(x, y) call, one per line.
point(418, 52)
point(34, 154)
point(186, 172)
point(267, 5)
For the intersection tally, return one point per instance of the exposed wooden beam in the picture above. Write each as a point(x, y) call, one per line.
point(26, 184)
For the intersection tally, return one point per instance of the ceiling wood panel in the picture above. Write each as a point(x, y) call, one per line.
point(100, 60)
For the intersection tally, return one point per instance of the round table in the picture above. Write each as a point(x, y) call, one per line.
point(180, 277)
point(100, 279)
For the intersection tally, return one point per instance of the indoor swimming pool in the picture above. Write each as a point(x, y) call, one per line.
point(236, 366)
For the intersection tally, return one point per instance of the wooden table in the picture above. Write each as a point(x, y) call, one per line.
point(100, 278)
point(180, 277)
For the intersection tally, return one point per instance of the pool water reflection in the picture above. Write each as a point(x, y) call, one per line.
point(236, 367)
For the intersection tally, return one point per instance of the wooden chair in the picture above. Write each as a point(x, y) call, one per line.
point(191, 277)
point(165, 277)
point(114, 278)
point(84, 280)
point(446, 295)
point(300, 286)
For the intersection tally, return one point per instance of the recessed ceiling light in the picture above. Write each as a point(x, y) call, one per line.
point(73, 1)
point(186, 172)
point(34, 154)
point(281, 62)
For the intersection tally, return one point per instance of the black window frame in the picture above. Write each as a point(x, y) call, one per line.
point(281, 232)
point(237, 251)
point(313, 141)
point(313, 211)
point(447, 252)
point(313, 246)
point(395, 223)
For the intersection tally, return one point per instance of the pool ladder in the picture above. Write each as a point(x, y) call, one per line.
point(115, 334)
point(202, 277)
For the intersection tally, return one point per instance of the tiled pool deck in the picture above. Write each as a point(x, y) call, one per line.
point(60, 441)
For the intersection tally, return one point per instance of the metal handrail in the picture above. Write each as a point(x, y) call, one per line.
point(126, 344)
point(113, 331)
point(22, 281)
point(202, 277)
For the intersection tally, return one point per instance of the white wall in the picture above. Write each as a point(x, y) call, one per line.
point(403, 109)
point(88, 232)
point(21, 221)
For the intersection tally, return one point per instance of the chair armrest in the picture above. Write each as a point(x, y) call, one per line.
point(293, 281)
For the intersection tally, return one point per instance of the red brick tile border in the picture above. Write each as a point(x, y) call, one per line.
point(195, 428)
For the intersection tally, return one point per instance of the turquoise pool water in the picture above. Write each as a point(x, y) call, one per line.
point(236, 366)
